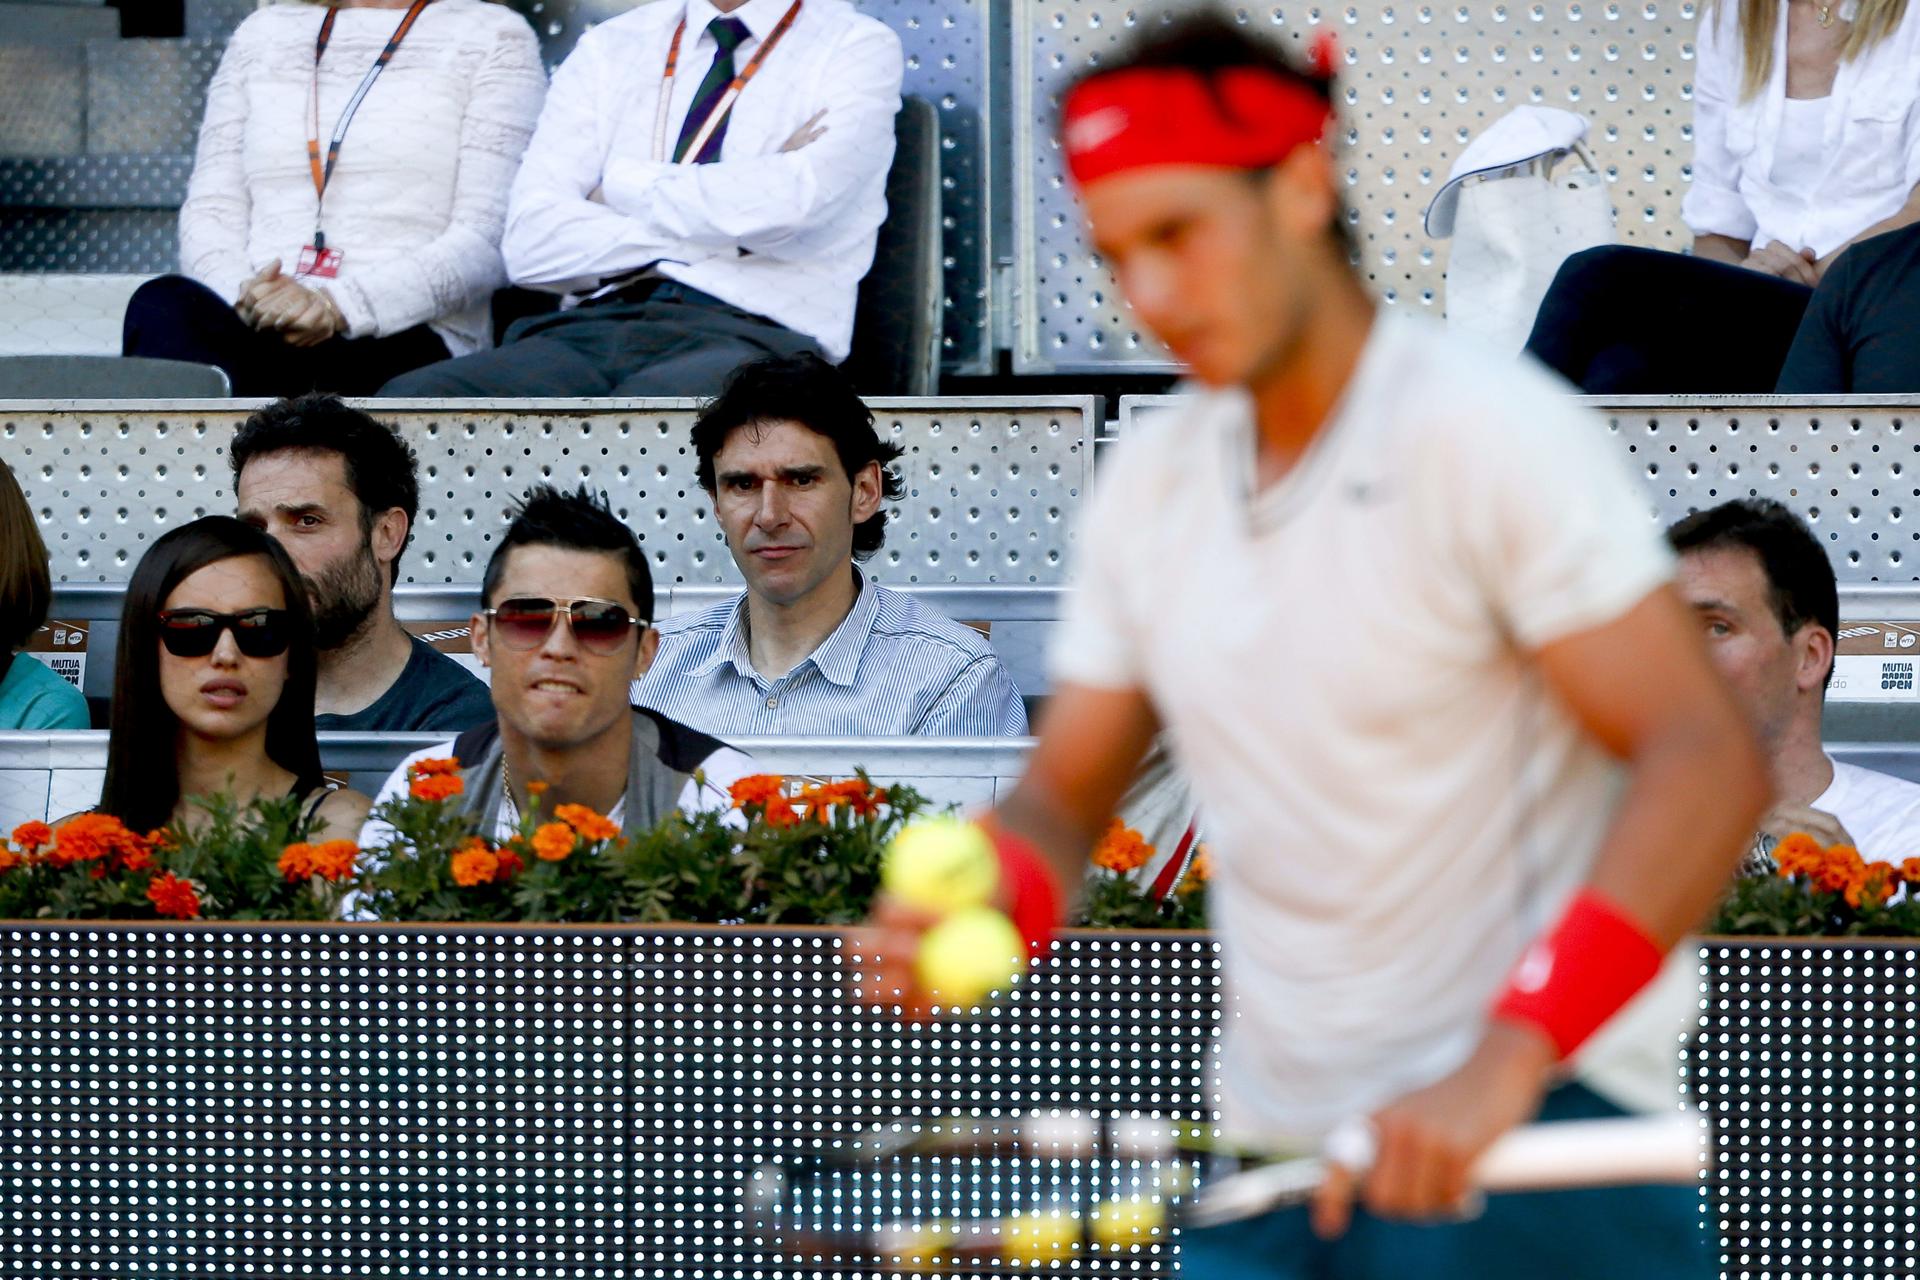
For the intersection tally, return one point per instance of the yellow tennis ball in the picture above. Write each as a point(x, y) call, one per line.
point(1127, 1220)
point(968, 955)
point(941, 864)
point(1038, 1237)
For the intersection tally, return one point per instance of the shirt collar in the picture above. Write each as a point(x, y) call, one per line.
point(837, 658)
point(732, 645)
point(761, 17)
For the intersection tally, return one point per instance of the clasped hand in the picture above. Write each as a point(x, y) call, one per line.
point(1775, 259)
point(273, 302)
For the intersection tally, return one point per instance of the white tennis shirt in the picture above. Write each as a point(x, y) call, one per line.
point(1396, 804)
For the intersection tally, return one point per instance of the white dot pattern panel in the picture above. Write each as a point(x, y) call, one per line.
point(1805, 1063)
point(510, 1102)
point(1418, 81)
point(1852, 472)
point(991, 485)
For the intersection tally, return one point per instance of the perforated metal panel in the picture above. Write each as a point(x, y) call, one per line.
point(90, 182)
point(1419, 80)
point(948, 47)
point(991, 483)
point(1849, 465)
point(147, 96)
point(516, 1102)
point(1806, 1063)
point(216, 1101)
point(141, 241)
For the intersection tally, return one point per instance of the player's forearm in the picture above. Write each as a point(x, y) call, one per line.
point(1064, 839)
point(1696, 793)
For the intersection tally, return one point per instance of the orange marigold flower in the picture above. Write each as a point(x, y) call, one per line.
point(510, 864)
point(759, 788)
point(29, 836)
point(174, 897)
point(9, 859)
point(1798, 854)
point(781, 813)
point(590, 825)
point(537, 788)
point(446, 766)
point(296, 861)
point(137, 857)
point(1841, 868)
point(1121, 850)
point(436, 786)
point(91, 837)
point(474, 864)
point(1910, 871)
point(553, 841)
point(854, 793)
point(334, 860)
point(1874, 886)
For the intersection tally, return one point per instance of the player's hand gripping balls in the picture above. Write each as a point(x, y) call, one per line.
point(948, 867)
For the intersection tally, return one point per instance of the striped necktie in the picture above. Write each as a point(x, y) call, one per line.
point(727, 33)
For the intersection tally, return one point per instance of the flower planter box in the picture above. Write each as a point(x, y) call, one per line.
point(387, 1100)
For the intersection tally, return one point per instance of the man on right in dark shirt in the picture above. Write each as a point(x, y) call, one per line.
point(1861, 332)
point(339, 491)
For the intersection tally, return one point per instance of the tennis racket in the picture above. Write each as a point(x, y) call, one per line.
point(1203, 1184)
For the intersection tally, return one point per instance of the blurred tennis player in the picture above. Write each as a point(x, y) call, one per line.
point(1468, 773)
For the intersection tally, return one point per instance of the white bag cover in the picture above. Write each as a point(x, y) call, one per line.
point(1512, 230)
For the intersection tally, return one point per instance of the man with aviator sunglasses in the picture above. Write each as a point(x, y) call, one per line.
point(564, 627)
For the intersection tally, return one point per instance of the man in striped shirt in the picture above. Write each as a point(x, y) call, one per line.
point(813, 646)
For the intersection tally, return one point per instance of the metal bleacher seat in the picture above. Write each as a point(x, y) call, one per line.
point(70, 377)
point(984, 532)
point(896, 322)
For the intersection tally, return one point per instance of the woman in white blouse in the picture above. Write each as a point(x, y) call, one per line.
point(1806, 141)
point(393, 268)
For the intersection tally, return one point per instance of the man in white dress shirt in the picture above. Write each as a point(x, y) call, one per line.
point(694, 227)
point(1765, 595)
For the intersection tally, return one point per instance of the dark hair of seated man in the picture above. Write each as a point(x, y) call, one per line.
point(807, 390)
point(1799, 577)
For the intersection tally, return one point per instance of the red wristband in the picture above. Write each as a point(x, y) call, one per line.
point(1570, 981)
point(1033, 898)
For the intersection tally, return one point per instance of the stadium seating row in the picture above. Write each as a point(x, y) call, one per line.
point(1419, 81)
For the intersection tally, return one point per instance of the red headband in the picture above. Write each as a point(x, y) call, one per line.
point(1238, 118)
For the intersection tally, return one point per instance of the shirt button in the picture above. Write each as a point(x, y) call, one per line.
point(772, 703)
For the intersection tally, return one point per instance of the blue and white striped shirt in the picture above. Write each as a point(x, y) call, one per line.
point(892, 667)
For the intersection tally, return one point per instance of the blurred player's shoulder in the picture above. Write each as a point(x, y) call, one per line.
point(1452, 392)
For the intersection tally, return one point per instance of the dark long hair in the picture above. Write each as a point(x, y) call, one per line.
point(143, 785)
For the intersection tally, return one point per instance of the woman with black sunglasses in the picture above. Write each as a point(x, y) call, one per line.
point(216, 657)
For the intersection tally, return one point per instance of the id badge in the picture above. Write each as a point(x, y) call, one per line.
point(321, 263)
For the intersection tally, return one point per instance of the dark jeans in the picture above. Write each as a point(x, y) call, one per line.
point(174, 318)
point(1615, 1233)
point(673, 341)
point(1626, 321)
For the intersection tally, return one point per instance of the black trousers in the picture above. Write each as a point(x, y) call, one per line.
point(1629, 321)
point(673, 341)
point(174, 318)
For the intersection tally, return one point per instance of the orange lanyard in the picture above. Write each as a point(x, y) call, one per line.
point(323, 173)
point(725, 104)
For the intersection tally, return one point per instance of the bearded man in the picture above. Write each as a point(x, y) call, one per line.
point(338, 490)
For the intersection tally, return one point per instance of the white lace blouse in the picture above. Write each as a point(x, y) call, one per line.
point(418, 197)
